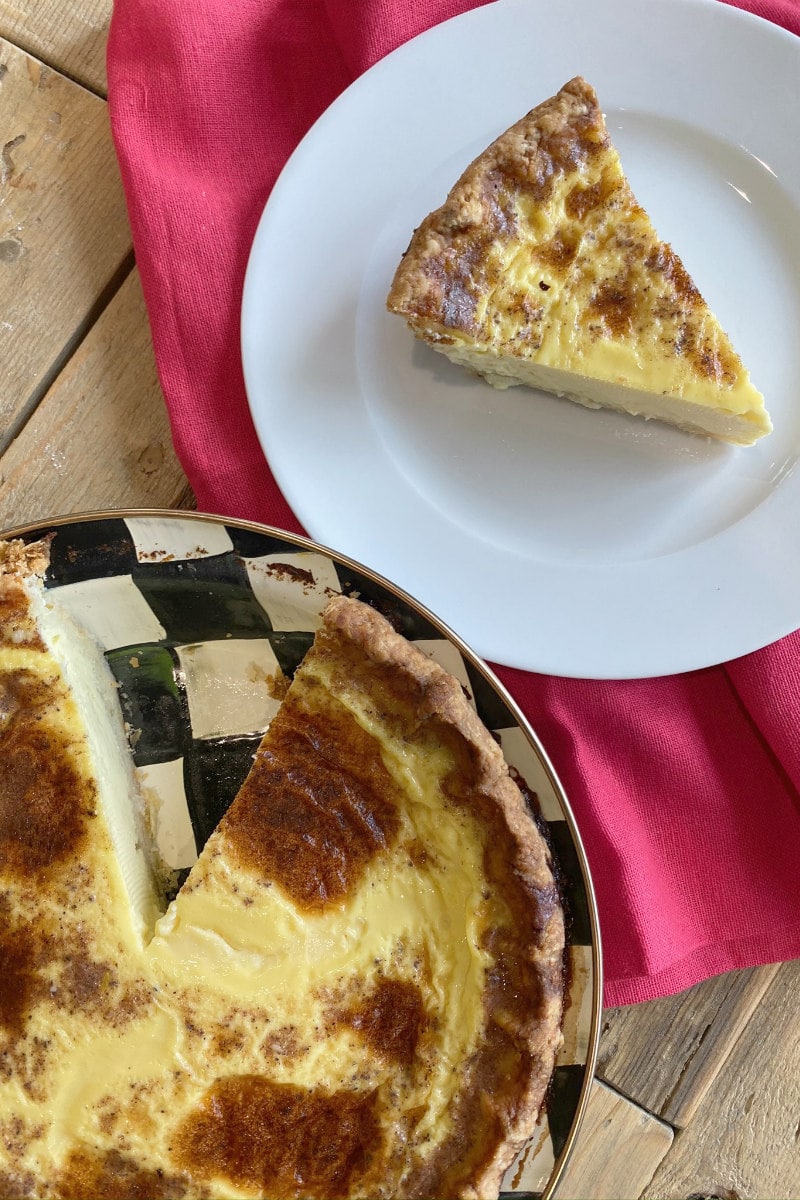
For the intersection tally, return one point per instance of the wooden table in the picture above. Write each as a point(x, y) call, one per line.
point(696, 1095)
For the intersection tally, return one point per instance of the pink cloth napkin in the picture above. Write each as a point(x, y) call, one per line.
point(685, 789)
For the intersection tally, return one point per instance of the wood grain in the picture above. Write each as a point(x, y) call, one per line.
point(64, 233)
point(744, 1140)
point(100, 437)
point(620, 1147)
point(694, 1031)
point(69, 35)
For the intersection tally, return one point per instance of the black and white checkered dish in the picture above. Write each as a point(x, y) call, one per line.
point(195, 614)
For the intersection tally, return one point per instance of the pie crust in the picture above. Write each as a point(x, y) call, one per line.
point(541, 268)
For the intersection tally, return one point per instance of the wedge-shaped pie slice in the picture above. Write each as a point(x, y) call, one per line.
point(541, 268)
point(356, 992)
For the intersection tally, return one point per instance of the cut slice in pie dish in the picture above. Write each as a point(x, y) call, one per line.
point(358, 989)
point(379, 892)
point(542, 269)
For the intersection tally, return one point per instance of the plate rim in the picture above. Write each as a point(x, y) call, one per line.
point(46, 524)
point(723, 640)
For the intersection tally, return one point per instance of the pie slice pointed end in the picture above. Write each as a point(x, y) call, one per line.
point(542, 269)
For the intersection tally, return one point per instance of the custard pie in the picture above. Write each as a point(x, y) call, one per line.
point(541, 269)
point(357, 991)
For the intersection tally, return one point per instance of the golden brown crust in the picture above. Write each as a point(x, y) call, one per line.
point(20, 560)
point(20, 563)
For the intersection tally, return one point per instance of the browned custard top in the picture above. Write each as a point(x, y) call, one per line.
point(319, 804)
point(283, 1140)
point(45, 799)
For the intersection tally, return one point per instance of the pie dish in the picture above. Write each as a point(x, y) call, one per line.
point(233, 1018)
point(541, 268)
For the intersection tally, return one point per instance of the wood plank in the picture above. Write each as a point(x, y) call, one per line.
point(100, 438)
point(618, 1150)
point(69, 35)
point(64, 232)
point(666, 1054)
point(744, 1140)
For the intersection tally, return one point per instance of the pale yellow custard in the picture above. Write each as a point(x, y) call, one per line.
point(541, 268)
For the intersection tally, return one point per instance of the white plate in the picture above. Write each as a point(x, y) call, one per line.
point(550, 537)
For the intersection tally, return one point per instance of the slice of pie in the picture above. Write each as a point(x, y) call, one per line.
point(356, 992)
point(542, 269)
